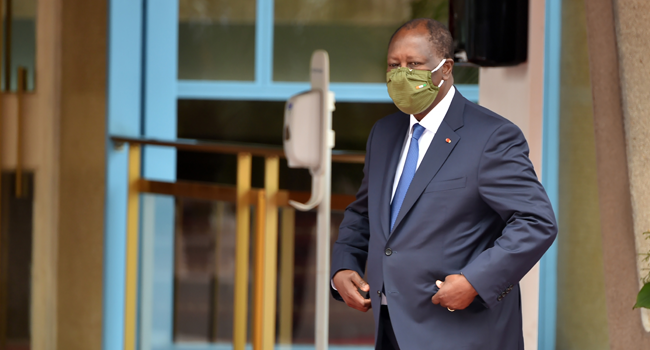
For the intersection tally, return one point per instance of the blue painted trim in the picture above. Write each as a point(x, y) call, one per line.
point(264, 22)
point(146, 278)
point(157, 212)
point(281, 91)
point(160, 98)
point(157, 302)
point(550, 168)
point(124, 86)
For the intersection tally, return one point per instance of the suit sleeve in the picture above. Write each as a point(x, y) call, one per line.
point(350, 250)
point(508, 184)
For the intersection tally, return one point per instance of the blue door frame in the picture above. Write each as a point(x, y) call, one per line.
point(124, 107)
point(550, 168)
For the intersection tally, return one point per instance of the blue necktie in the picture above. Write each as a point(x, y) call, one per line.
point(410, 165)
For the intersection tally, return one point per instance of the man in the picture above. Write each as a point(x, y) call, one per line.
point(449, 216)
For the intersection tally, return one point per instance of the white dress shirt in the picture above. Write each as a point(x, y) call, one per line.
point(431, 122)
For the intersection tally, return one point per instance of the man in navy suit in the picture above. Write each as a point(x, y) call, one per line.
point(449, 216)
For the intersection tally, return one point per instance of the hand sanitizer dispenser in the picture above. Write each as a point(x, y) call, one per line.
point(308, 142)
point(302, 130)
point(308, 135)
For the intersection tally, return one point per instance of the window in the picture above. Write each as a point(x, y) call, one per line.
point(260, 51)
point(216, 40)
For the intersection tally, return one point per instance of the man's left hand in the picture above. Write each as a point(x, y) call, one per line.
point(456, 293)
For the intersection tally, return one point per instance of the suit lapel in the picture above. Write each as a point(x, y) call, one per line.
point(393, 143)
point(442, 145)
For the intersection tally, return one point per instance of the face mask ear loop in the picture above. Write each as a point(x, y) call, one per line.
point(440, 65)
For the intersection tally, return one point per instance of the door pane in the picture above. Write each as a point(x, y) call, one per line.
point(204, 222)
point(22, 35)
point(204, 278)
point(16, 262)
point(216, 40)
point(354, 33)
point(204, 272)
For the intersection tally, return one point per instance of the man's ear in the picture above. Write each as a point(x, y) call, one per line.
point(447, 68)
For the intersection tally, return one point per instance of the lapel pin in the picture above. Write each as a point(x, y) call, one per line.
point(448, 140)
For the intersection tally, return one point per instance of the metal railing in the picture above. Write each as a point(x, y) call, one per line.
point(267, 200)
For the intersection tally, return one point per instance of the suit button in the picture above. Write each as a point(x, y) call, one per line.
point(378, 292)
point(388, 252)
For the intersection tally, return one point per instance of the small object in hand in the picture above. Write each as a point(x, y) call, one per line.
point(450, 310)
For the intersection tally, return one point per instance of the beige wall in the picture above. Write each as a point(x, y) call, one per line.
point(82, 174)
point(581, 312)
point(617, 46)
point(42, 153)
point(632, 28)
point(517, 94)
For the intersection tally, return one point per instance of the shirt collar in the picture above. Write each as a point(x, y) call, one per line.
point(432, 120)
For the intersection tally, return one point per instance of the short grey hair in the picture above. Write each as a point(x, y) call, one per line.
point(439, 35)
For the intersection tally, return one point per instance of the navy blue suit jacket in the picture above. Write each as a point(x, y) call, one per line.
point(474, 207)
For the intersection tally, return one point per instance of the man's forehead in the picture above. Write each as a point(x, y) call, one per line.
point(417, 31)
point(411, 38)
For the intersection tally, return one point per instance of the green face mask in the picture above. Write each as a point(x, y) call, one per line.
point(412, 90)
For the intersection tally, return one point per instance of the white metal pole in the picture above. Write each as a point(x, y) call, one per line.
point(321, 193)
point(324, 232)
point(323, 268)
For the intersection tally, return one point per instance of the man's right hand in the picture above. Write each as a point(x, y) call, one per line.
point(348, 283)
